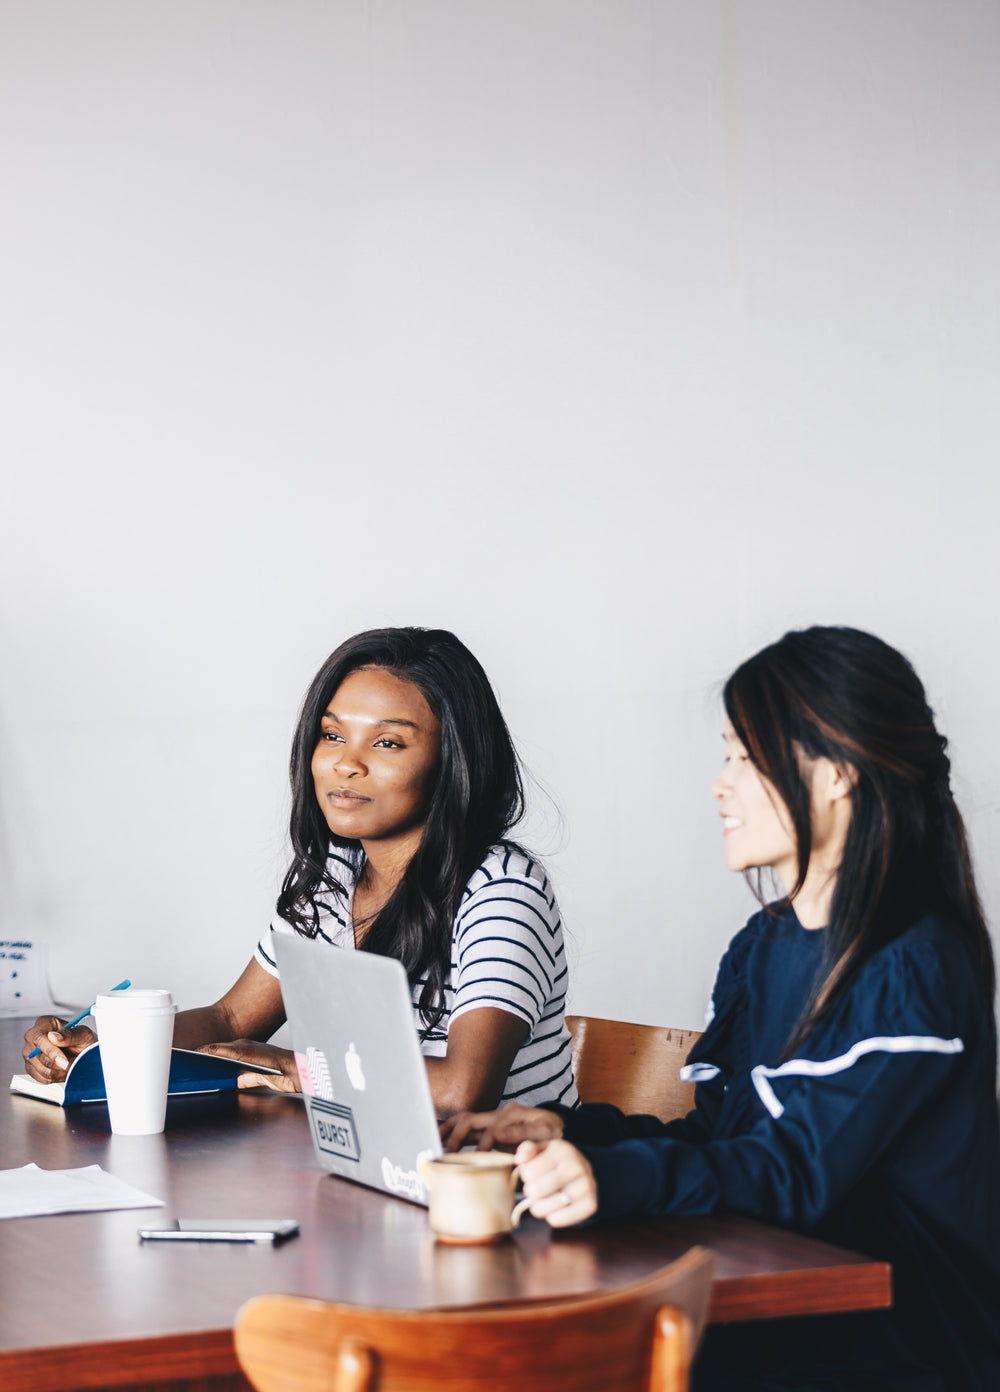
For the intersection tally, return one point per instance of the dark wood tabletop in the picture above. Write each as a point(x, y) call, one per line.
point(86, 1305)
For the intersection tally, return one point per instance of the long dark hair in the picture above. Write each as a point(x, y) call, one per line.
point(844, 695)
point(478, 796)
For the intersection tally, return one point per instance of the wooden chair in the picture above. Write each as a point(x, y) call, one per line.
point(641, 1338)
point(637, 1067)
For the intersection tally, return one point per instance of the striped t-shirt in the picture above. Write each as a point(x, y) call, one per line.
point(506, 952)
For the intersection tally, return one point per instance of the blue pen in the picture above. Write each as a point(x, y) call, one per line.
point(122, 985)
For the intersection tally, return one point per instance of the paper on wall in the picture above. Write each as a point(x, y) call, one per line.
point(24, 980)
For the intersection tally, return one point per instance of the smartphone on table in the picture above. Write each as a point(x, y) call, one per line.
point(222, 1230)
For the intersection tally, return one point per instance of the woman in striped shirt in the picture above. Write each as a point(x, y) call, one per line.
point(405, 785)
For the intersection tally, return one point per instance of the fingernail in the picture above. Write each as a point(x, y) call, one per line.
point(55, 1034)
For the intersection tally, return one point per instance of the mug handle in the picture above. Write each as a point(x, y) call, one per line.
point(521, 1207)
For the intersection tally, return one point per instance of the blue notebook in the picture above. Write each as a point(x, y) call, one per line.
point(84, 1081)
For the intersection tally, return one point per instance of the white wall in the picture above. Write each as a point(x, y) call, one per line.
point(618, 336)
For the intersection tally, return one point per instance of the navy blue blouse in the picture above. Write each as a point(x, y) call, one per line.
point(881, 1134)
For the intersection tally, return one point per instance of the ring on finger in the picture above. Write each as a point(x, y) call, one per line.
point(566, 1198)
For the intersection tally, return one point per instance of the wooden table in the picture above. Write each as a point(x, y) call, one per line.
point(86, 1305)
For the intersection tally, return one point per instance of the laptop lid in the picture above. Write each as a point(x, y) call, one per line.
point(367, 1095)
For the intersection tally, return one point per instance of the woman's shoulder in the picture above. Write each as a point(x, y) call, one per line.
point(766, 943)
point(510, 883)
point(923, 981)
point(509, 863)
point(772, 924)
point(930, 948)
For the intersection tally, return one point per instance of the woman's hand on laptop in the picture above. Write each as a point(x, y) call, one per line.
point(506, 1127)
point(56, 1054)
point(263, 1056)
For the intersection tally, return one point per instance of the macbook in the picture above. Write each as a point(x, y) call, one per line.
point(366, 1090)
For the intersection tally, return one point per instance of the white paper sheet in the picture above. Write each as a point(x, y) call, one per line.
point(30, 1192)
point(24, 980)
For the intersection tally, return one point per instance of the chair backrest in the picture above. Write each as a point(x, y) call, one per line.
point(637, 1067)
point(640, 1338)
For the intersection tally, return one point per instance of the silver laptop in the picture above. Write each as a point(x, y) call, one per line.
point(367, 1095)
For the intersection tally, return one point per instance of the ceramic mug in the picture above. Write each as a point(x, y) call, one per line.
point(472, 1196)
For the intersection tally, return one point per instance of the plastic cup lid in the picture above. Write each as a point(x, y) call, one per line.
point(136, 998)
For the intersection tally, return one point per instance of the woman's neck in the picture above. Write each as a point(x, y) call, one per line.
point(379, 877)
point(830, 818)
point(813, 901)
point(386, 861)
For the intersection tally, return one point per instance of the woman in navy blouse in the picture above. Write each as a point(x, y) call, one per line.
point(846, 1080)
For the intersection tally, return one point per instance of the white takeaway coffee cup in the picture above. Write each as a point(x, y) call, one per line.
point(135, 1032)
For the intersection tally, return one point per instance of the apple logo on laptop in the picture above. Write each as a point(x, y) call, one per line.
point(356, 1074)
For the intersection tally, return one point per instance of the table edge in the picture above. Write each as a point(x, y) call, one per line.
point(120, 1362)
point(211, 1352)
point(796, 1293)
